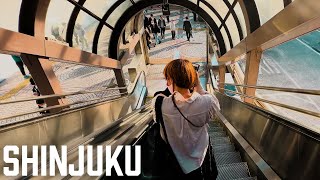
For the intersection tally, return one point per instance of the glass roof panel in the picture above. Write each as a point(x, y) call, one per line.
point(116, 14)
point(84, 31)
point(231, 24)
point(213, 16)
point(11, 10)
point(99, 7)
point(225, 38)
point(56, 23)
point(219, 6)
point(268, 9)
point(103, 43)
point(238, 11)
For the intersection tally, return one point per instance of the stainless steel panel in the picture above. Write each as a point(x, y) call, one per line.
point(67, 128)
point(292, 151)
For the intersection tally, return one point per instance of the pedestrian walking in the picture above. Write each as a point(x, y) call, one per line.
point(173, 29)
point(20, 65)
point(187, 27)
point(155, 30)
point(162, 25)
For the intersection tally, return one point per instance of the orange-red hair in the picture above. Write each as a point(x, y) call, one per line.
point(182, 73)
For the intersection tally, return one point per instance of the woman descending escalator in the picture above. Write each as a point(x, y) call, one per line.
point(183, 149)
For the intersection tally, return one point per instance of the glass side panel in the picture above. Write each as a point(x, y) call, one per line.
point(103, 43)
point(294, 64)
point(225, 38)
point(10, 14)
point(56, 23)
point(211, 14)
point(84, 31)
point(99, 7)
point(231, 24)
point(220, 7)
point(268, 9)
point(238, 11)
point(116, 14)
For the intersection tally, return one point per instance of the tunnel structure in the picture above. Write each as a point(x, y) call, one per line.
point(101, 34)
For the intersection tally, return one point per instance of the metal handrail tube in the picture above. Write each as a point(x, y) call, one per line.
point(58, 106)
point(292, 90)
point(58, 95)
point(312, 113)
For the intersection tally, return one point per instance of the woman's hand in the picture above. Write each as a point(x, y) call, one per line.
point(198, 88)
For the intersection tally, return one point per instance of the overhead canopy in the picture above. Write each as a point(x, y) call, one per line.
point(95, 26)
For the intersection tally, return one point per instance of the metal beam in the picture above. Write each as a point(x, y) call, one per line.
point(221, 20)
point(100, 26)
point(44, 77)
point(73, 55)
point(72, 22)
point(251, 73)
point(222, 77)
point(234, 15)
point(251, 15)
point(140, 5)
point(304, 17)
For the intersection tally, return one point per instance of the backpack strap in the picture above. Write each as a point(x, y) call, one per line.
point(159, 118)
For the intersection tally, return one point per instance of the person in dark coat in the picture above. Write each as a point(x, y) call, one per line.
point(162, 26)
point(187, 27)
point(152, 20)
point(155, 30)
point(146, 23)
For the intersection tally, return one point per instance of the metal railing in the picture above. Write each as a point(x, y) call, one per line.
point(289, 90)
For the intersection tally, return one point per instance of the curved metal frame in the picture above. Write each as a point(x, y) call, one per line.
point(131, 11)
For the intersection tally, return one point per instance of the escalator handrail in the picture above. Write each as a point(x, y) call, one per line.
point(290, 90)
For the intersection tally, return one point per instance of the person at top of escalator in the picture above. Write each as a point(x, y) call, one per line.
point(185, 116)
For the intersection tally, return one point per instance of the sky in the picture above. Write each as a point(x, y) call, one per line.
point(7, 66)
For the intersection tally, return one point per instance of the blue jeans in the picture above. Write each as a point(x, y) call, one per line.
point(156, 37)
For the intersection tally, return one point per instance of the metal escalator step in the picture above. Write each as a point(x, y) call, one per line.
point(219, 141)
point(248, 178)
point(227, 158)
point(215, 129)
point(233, 171)
point(223, 148)
point(214, 124)
point(217, 134)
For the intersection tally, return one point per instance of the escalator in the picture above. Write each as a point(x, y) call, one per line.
point(248, 142)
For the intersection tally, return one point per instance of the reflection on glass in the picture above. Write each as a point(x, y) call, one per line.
point(238, 11)
point(103, 43)
point(84, 31)
point(57, 20)
point(99, 7)
point(10, 14)
point(220, 7)
point(225, 38)
point(294, 64)
point(231, 24)
point(242, 64)
point(268, 9)
point(116, 14)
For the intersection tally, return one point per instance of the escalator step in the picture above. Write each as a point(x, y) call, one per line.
point(214, 124)
point(248, 178)
point(219, 141)
point(233, 171)
point(227, 158)
point(217, 134)
point(215, 129)
point(223, 148)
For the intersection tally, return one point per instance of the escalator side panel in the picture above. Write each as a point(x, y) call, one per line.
point(292, 151)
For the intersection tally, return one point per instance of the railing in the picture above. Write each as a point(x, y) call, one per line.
point(290, 90)
point(91, 97)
